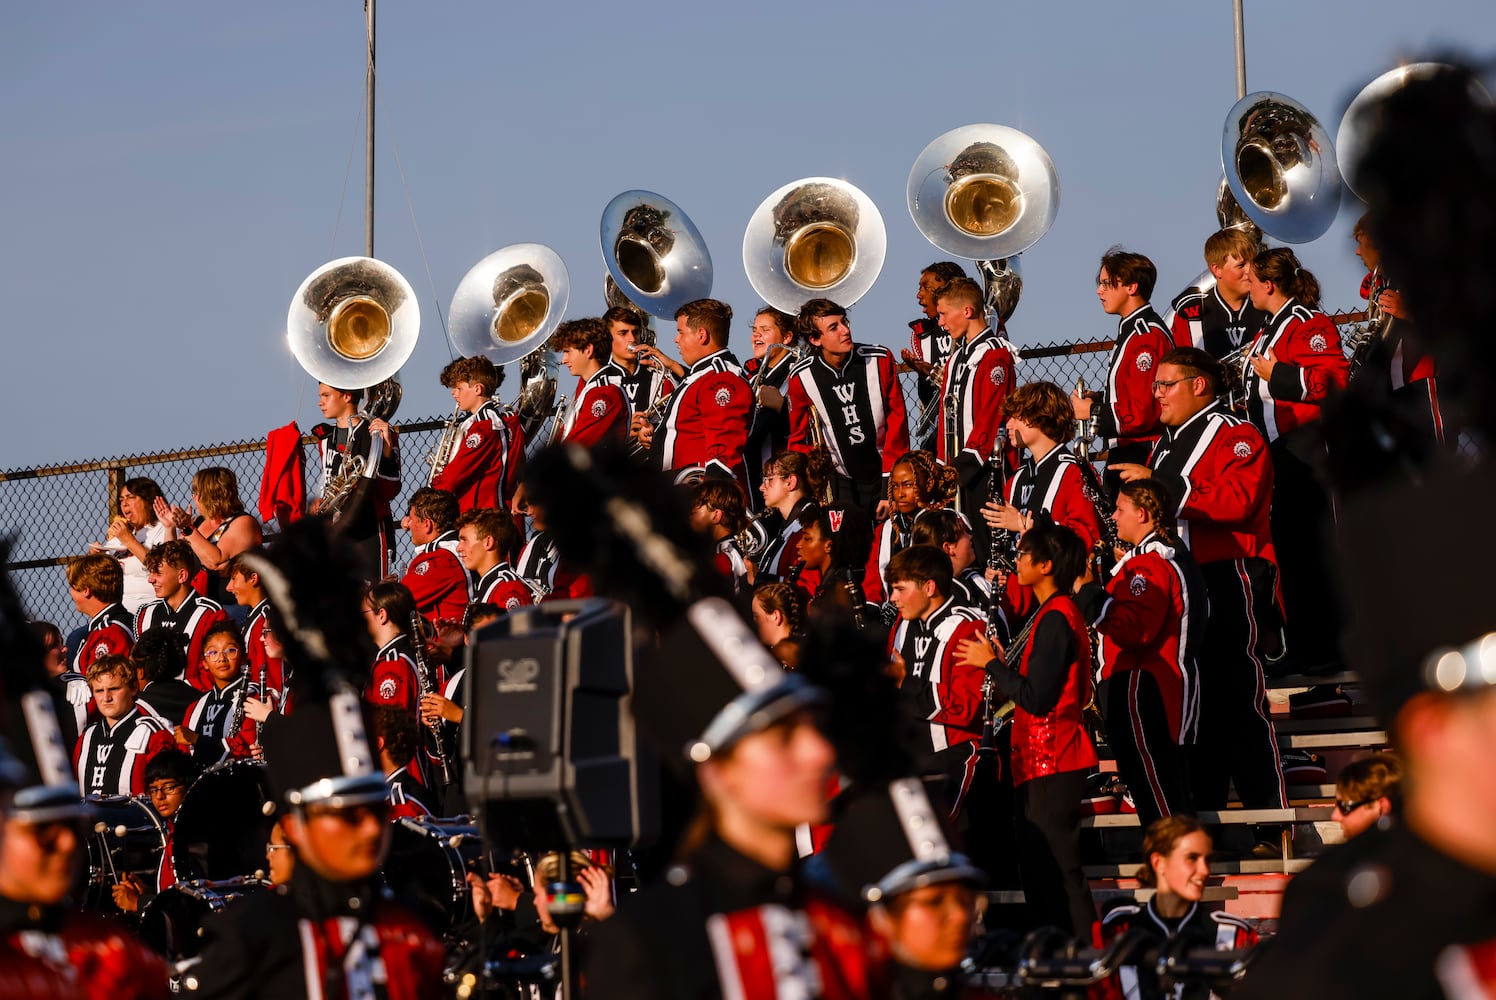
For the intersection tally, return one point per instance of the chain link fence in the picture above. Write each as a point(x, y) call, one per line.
point(54, 512)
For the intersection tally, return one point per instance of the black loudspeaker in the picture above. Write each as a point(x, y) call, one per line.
point(550, 750)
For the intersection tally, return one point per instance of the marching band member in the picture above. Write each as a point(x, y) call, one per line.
point(329, 930)
point(917, 484)
point(485, 537)
point(1149, 618)
point(1128, 418)
point(779, 614)
point(397, 740)
point(707, 419)
point(978, 378)
point(929, 345)
point(1296, 362)
point(1176, 863)
point(266, 671)
point(367, 521)
point(792, 482)
point(436, 576)
point(641, 383)
point(600, 412)
point(208, 726)
point(1216, 469)
point(167, 777)
point(479, 468)
point(941, 696)
point(950, 532)
point(1222, 318)
point(717, 511)
point(393, 681)
point(159, 663)
point(1049, 682)
point(179, 607)
point(112, 753)
point(852, 393)
point(775, 352)
point(95, 583)
point(762, 766)
point(834, 548)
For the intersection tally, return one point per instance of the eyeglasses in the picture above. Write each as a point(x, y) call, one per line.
point(276, 847)
point(1108, 282)
point(219, 654)
point(1157, 386)
point(1346, 808)
point(165, 788)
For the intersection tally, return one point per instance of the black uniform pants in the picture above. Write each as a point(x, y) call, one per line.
point(1137, 728)
point(1236, 742)
point(1048, 832)
point(1302, 521)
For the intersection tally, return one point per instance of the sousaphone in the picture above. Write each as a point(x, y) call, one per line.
point(818, 237)
point(985, 193)
point(505, 308)
point(1280, 167)
point(654, 253)
point(353, 322)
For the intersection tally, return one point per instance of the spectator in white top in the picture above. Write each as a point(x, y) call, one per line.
point(133, 532)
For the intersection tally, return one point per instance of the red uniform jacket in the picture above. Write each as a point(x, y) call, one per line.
point(1217, 468)
point(1151, 621)
point(1051, 484)
point(707, 419)
point(191, 621)
point(111, 760)
point(211, 716)
point(1224, 931)
point(393, 682)
point(1128, 412)
point(600, 413)
point(476, 470)
point(889, 538)
point(860, 410)
point(503, 588)
point(439, 582)
point(980, 373)
point(110, 633)
point(86, 959)
point(1051, 738)
point(1310, 362)
point(938, 689)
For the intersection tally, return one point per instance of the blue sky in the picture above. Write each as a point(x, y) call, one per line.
point(172, 171)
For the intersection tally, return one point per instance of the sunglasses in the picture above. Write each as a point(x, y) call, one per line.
point(1347, 807)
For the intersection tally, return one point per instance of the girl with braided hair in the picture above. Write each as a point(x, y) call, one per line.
point(917, 483)
point(779, 614)
point(1148, 618)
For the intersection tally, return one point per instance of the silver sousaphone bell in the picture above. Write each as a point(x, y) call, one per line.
point(818, 237)
point(509, 303)
point(353, 322)
point(1362, 117)
point(654, 253)
point(986, 193)
point(1280, 165)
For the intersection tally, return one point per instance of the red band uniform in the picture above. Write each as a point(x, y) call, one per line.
point(479, 468)
point(192, 621)
point(368, 522)
point(438, 580)
point(1127, 418)
point(707, 418)
point(860, 410)
point(978, 378)
point(111, 760)
point(600, 414)
point(1203, 319)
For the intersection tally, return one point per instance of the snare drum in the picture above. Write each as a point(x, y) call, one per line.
point(127, 837)
point(172, 924)
point(221, 827)
point(427, 866)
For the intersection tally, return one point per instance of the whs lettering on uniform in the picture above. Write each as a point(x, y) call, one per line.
point(847, 394)
point(922, 646)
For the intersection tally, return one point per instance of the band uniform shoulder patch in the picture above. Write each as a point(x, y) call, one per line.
point(599, 407)
point(1318, 342)
point(1138, 585)
point(422, 568)
point(1242, 449)
point(999, 375)
point(473, 440)
point(1145, 362)
point(511, 604)
point(102, 649)
point(723, 396)
point(387, 689)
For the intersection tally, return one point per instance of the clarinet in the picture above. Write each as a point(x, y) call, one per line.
point(994, 717)
point(236, 721)
point(855, 598)
point(423, 680)
point(265, 694)
point(1001, 540)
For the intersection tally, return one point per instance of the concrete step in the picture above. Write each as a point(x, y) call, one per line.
point(1312, 680)
point(1250, 866)
point(1106, 894)
point(1376, 738)
point(1343, 724)
point(1300, 814)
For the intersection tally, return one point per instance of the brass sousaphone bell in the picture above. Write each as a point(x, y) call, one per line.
point(1280, 166)
point(654, 253)
point(353, 322)
point(985, 193)
point(818, 237)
